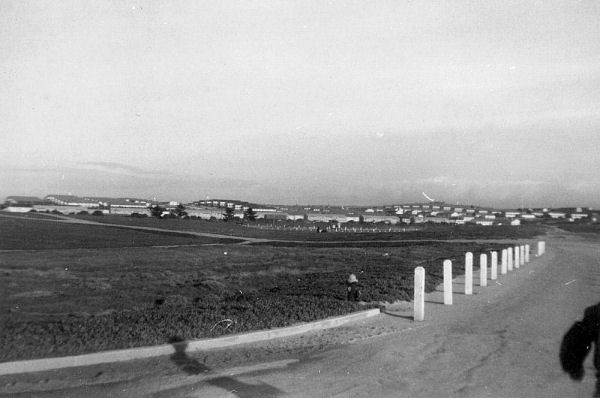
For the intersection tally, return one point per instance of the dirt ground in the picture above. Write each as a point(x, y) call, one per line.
point(500, 342)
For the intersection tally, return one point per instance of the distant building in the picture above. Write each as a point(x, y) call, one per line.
point(578, 216)
point(511, 214)
point(382, 219)
point(72, 200)
point(528, 217)
point(436, 220)
point(557, 214)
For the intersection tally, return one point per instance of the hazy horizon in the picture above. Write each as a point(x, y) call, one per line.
point(352, 103)
point(423, 200)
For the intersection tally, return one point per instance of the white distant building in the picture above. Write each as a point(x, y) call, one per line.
point(511, 214)
point(578, 216)
point(127, 211)
point(557, 214)
point(384, 219)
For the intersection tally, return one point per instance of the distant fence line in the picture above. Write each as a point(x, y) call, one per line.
point(344, 229)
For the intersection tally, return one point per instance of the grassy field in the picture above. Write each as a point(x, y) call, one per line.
point(39, 232)
point(425, 231)
point(108, 288)
point(580, 227)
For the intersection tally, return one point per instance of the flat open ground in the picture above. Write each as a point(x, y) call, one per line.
point(501, 342)
point(72, 286)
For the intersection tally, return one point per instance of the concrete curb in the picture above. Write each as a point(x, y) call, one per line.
point(38, 365)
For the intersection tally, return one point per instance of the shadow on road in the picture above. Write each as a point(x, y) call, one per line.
point(230, 384)
point(409, 317)
point(245, 390)
point(189, 365)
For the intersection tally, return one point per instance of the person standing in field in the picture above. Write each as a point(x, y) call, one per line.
point(578, 341)
point(352, 287)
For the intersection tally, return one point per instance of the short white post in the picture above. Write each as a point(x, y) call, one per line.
point(522, 254)
point(468, 273)
point(510, 258)
point(527, 250)
point(517, 260)
point(483, 270)
point(504, 265)
point(544, 247)
point(419, 296)
point(447, 282)
point(541, 248)
point(494, 266)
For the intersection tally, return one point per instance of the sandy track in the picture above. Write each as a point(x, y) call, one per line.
point(500, 342)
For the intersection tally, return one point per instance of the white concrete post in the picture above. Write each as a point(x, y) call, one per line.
point(483, 270)
point(494, 268)
point(544, 246)
point(527, 250)
point(510, 258)
point(504, 265)
point(419, 296)
point(468, 273)
point(447, 282)
point(517, 260)
point(541, 248)
point(522, 254)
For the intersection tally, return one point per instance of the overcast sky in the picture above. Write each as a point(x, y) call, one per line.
point(342, 102)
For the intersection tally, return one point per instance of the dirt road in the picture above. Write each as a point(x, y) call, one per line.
point(500, 342)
